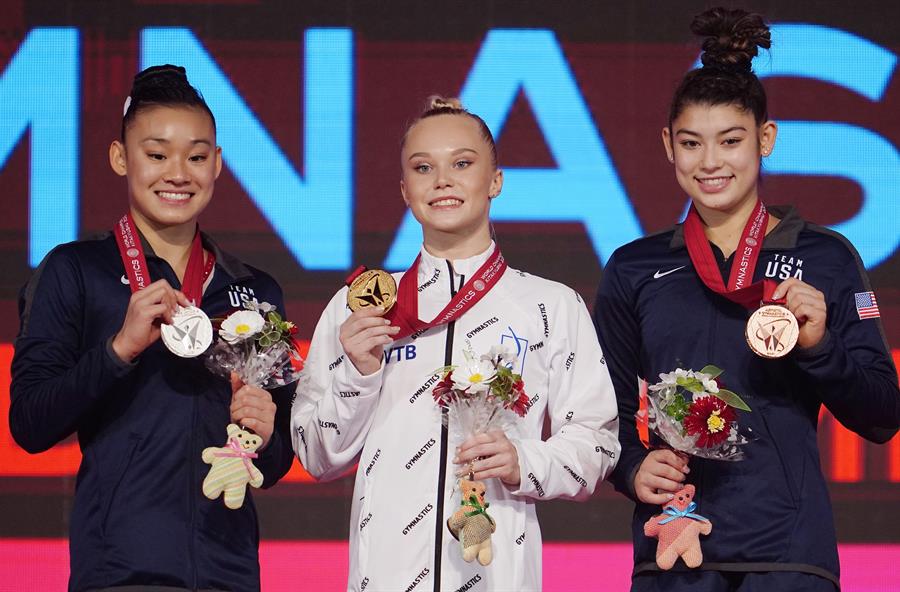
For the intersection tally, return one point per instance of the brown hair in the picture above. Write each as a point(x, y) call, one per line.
point(732, 38)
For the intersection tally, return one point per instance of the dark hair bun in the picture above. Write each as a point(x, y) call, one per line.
point(162, 85)
point(733, 37)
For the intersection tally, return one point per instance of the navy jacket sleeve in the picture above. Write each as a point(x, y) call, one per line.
point(277, 457)
point(55, 383)
point(851, 367)
point(620, 338)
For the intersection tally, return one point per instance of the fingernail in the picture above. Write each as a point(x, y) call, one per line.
point(687, 469)
point(456, 460)
point(670, 495)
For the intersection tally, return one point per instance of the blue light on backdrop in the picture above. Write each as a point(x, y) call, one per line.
point(312, 213)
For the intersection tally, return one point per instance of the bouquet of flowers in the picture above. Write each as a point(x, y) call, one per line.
point(480, 395)
point(258, 345)
point(694, 415)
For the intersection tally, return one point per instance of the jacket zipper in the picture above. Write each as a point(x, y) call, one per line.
point(192, 493)
point(442, 467)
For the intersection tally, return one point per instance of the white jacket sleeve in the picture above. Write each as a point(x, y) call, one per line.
point(334, 405)
point(584, 445)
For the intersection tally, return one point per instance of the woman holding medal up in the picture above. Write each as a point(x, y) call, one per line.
point(701, 294)
point(368, 394)
point(109, 328)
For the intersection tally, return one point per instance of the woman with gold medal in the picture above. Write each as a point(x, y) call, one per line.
point(367, 393)
point(699, 294)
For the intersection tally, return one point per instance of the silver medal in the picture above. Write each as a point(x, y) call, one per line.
point(189, 334)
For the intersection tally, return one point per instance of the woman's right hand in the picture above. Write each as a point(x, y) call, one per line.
point(147, 308)
point(363, 337)
point(660, 476)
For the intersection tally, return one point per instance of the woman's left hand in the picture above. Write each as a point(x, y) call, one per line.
point(491, 454)
point(808, 305)
point(253, 408)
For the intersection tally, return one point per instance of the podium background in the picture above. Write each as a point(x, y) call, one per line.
point(586, 92)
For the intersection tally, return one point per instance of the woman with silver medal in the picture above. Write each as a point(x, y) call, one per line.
point(88, 361)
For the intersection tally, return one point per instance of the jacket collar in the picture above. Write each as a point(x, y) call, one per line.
point(461, 267)
point(783, 236)
point(225, 261)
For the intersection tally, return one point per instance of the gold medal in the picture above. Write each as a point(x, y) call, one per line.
point(373, 287)
point(772, 331)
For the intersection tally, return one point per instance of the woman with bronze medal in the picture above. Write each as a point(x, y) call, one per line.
point(111, 331)
point(699, 295)
point(444, 493)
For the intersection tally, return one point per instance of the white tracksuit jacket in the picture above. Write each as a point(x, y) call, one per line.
point(389, 423)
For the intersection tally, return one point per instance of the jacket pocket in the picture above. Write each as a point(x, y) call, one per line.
point(113, 480)
point(787, 471)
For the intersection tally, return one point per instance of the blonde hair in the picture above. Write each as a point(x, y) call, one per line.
point(440, 105)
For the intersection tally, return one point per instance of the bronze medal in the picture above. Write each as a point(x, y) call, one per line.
point(373, 287)
point(772, 331)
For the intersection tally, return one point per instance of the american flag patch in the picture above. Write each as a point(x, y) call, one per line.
point(866, 305)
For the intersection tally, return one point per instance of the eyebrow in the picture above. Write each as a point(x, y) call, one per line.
point(165, 141)
point(454, 153)
point(721, 133)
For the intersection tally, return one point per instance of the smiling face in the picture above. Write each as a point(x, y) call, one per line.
point(448, 178)
point(171, 162)
point(716, 151)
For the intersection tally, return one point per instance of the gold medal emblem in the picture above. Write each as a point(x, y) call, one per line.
point(373, 287)
point(772, 331)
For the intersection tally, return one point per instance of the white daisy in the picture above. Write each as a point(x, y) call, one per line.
point(241, 325)
point(474, 376)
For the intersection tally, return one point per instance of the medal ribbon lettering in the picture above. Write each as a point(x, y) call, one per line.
point(739, 288)
point(132, 252)
point(405, 314)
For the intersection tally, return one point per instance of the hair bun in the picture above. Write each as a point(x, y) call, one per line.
point(160, 75)
point(733, 37)
point(436, 102)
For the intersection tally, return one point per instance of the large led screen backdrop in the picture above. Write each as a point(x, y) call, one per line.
point(311, 99)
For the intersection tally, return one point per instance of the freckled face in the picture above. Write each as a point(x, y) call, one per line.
point(171, 162)
point(716, 151)
point(448, 176)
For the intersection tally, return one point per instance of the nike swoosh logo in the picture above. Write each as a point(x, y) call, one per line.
point(660, 274)
point(124, 280)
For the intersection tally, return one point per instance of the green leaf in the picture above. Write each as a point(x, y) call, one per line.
point(274, 317)
point(678, 408)
point(712, 370)
point(732, 399)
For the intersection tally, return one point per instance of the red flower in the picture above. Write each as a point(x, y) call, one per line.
point(443, 391)
point(711, 419)
point(518, 400)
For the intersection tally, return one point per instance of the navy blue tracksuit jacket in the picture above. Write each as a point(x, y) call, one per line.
point(653, 314)
point(139, 514)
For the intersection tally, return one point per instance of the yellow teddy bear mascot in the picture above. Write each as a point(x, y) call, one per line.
point(232, 468)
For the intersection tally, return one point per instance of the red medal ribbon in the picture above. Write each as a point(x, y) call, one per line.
point(405, 313)
point(132, 252)
point(739, 288)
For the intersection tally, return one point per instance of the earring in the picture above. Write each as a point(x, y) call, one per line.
point(766, 150)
